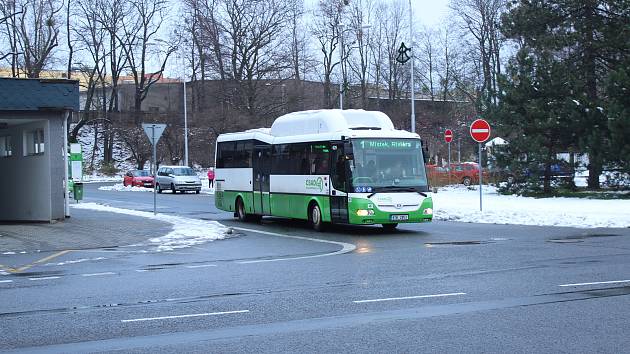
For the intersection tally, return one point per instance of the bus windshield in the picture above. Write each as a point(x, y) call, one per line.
point(380, 163)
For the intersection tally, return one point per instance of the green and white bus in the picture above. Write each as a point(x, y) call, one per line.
point(324, 166)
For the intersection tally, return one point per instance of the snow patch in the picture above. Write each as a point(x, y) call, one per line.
point(462, 204)
point(119, 187)
point(186, 232)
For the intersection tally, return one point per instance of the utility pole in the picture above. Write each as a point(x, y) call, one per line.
point(185, 127)
point(413, 105)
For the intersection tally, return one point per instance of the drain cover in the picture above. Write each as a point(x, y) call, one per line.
point(455, 243)
point(566, 241)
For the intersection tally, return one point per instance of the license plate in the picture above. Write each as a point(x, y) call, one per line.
point(399, 217)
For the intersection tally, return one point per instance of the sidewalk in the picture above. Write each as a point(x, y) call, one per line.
point(86, 229)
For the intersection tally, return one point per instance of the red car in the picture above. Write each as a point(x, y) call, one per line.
point(138, 178)
point(467, 173)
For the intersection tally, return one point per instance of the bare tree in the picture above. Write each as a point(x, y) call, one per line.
point(325, 28)
point(36, 33)
point(377, 48)
point(90, 38)
point(428, 62)
point(480, 19)
point(360, 24)
point(9, 31)
point(255, 32)
point(394, 23)
point(446, 62)
point(141, 21)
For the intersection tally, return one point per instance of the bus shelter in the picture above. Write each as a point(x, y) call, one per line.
point(33, 155)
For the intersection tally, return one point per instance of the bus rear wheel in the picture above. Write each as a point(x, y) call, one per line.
point(315, 217)
point(240, 210)
point(389, 227)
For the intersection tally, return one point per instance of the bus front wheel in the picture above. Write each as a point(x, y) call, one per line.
point(315, 217)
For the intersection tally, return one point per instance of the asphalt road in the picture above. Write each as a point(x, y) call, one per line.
point(280, 287)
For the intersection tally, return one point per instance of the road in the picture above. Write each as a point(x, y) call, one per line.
point(277, 286)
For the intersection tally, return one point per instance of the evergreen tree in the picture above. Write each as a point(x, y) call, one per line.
point(619, 115)
point(587, 38)
point(533, 114)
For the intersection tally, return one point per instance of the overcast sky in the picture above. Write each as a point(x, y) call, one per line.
point(428, 12)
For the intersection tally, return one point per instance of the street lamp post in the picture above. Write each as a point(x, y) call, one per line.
point(341, 65)
point(413, 105)
point(366, 28)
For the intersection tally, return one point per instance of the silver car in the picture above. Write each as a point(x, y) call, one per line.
point(177, 178)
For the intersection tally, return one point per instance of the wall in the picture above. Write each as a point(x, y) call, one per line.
point(25, 181)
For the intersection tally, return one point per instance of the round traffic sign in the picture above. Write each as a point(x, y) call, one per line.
point(448, 135)
point(480, 130)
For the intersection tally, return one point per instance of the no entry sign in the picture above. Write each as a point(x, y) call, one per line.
point(448, 135)
point(480, 130)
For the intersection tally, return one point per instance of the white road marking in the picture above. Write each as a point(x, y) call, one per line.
point(44, 278)
point(597, 283)
point(345, 247)
point(6, 281)
point(184, 316)
point(201, 266)
point(407, 298)
point(142, 270)
point(97, 274)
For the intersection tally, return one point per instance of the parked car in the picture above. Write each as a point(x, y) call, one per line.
point(559, 171)
point(438, 176)
point(177, 178)
point(138, 178)
point(467, 173)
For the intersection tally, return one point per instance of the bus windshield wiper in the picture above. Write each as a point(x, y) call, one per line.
point(395, 189)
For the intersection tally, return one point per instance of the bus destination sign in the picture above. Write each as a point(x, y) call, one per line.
point(386, 144)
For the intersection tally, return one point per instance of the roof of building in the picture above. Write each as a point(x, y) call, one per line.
point(38, 94)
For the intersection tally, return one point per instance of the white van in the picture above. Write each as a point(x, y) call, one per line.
point(177, 178)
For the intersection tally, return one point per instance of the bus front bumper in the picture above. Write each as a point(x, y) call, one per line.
point(364, 212)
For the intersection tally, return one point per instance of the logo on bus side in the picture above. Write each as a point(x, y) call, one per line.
point(317, 183)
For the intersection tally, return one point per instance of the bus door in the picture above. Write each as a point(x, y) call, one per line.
point(339, 184)
point(262, 167)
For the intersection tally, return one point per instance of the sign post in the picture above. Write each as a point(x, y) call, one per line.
point(154, 132)
point(480, 132)
point(448, 137)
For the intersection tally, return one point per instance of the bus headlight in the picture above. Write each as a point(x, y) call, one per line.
point(428, 211)
point(363, 212)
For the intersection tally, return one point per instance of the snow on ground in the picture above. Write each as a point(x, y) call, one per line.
point(462, 204)
point(121, 188)
point(186, 232)
point(96, 178)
